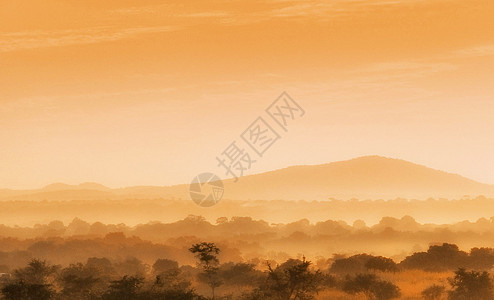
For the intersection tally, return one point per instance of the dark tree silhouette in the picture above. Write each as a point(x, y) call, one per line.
point(131, 266)
point(172, 281)
point(433, 292)
point(242, 274)
point(126, 288)
point(169, 285)
point(351, 265)
point(37, 272)
point(371, 286)
point(292, 280)
point(481, 258)
point(379, 263)
point(32, 282)
point(207, 255)
point(102, 265)
point(471, 285)
point(438, 258)
point(78, 281)
point(162, 265)
point(27, 291)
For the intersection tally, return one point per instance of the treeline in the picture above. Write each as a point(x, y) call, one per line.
point(136, 211)
point(355, 276)
point(437, 258)
point(238, 236)
point(199, 226)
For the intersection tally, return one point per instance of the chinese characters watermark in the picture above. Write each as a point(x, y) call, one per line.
point(259, 136)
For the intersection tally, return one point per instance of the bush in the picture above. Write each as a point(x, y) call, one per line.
point(27, 291)
point(471, 285)
point(371, 286)
point(380, 263)
point(433, 292)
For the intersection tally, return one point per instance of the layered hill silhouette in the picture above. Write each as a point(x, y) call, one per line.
point(369, 177)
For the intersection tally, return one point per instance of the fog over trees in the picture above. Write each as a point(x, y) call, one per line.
point(243, 258)
point(361, 275)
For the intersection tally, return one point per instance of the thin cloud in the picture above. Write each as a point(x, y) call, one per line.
point(406, 67)
point(320, 11)
point(172, 10)
point(57, 38)
point(485, 50)
point(210, 14)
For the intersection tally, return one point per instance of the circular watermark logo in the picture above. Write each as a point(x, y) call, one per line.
point(206, 189)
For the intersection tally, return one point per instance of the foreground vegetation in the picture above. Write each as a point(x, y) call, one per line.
point(434, 274)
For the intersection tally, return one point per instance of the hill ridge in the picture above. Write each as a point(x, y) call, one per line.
point(365, 177)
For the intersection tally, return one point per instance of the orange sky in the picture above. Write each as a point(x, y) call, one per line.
point(150, 92)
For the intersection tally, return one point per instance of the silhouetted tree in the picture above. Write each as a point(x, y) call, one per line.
point(471, 285)
point(171, 295)
point(126, 288)
point(371, 286)
point(77, 281)
point(162, 265)
point(350, 265)
point(207, 255)
point(481, 258)
point(292, 280)
point(37, 272)
point(169, 285)
point(437, 258)
point(131, 266)
point(379, 263)
point(172, 282)
point(433, 292)
point(101, 266)
point(27, 291)
point(32, 282)
point(240, 274)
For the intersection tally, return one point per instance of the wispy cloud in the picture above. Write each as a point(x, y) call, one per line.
point(485, 50)
point(171, 11)
point(207, 14)
point(305, 9)
point(315, 10)
point(56, 38)
point(265, 10)
point(406, 67)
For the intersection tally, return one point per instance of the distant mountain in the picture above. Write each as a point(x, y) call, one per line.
point(60, 192)
point(369, 177)
point(82, 186)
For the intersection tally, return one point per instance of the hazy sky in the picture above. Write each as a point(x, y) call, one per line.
point(120, 94)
